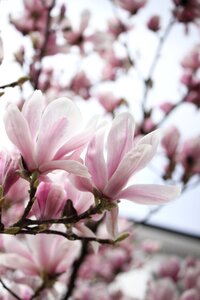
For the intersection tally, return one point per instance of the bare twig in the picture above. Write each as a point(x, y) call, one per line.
point(18, 82)
point(9, 290)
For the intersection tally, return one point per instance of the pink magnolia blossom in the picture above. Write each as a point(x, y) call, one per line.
point(41, 255)
point(131, 5)
point(187, 11)
point(116, 27)
point(44, 135)
point(170, 268)
point(8, 170)
point(190, 294)
point(109, 101)
point(192, 60)
point(76, 37)
point(189, 156)
point(81, 84)
point(163, 289)
point(110, 174)
point(34, 17)
point(49, 202)
point(154, 23)
point(170, 141)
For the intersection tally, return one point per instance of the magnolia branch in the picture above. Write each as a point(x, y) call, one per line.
point(13, 84)
point(9, 290)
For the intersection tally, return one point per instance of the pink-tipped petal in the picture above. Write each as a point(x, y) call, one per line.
point(133, 160)
point(150, 193)
point(32, 111)
point(71, 166)
point(152, 139)
point(15, 261)
point(60, 121)
point(18, 132)
point(95, 160)
point(120, 140)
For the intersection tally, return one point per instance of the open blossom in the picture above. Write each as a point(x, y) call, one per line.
point(125, 157)
point(41, 255)
point(46, 134)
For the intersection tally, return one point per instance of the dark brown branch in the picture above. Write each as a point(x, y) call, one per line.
point(43, 48)
point(75, 269)
point(148, 82)
point(9, 290)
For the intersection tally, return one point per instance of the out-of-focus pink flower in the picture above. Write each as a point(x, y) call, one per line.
point(101, 41)
point(41, 255)
point(192, 60)
point(163, 289)
point(81, 84)
point(110, 175)
point(116, 27)
point(33, 19)
point(166, 107)
point(170, 268)
point(109, 101)
point(49, 202)
point(154, 23)
point(131, 5)
point(187, 11)
point(19, 55)
point(1, 50)
point(170, 141)
point(43, 133)
point(76, 37)
point(151, 246)
point(189, 156)
point(8, 171)
point(190, 294)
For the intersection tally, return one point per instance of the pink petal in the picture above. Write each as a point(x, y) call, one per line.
point(120, 140)
point(152, 139)
point(18, 132)
point(60, 121)
point(71, 166)
point(133, 160)
point(81, 183)
point(112, 222)
point(150, 193)
point(17, 262)
point(95, 160)
point(32, 111)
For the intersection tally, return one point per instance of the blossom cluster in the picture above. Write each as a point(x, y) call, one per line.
point(176, 279)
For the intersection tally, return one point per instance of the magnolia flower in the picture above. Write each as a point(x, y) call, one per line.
point(8, 168)
point(125, 157)
point(163, 289)
point(42, 255)
point(50, 201)
point(170, 141)
point(154, 23)
point(170, 268)
point(46, 135)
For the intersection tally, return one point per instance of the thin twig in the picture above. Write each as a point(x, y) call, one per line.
point(148, 80)
point(43, 48)
point(18, 82)
point(9, 290)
